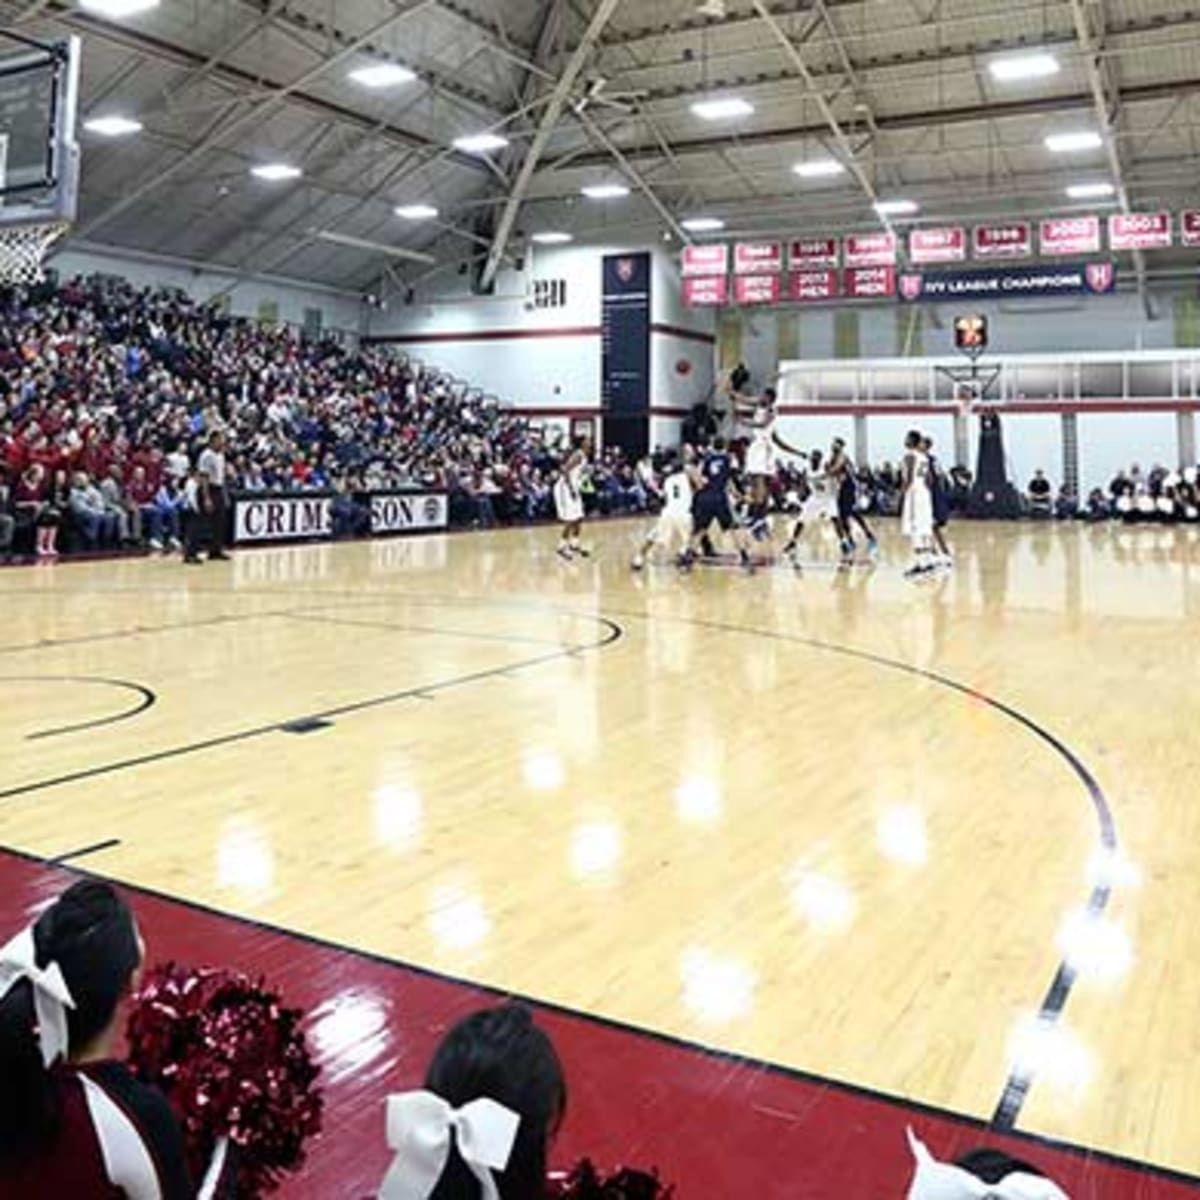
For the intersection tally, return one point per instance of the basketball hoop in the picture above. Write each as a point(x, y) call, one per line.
point(23, 248)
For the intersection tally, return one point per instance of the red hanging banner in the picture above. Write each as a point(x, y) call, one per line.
point(807, 286)
point(806, 253)
point(757, 258)
point(706, 291)
point(756, 289)
point(705, 260)
point(944, 245)
point(869, 250)
point(869, 283)
point(1139, 231)
point(1070, 235)
point(1014, 240)
point(1189, 227)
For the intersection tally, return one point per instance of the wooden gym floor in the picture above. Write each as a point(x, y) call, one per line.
point(936, 841)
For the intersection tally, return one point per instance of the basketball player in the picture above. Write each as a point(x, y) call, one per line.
point(712, 503)
point(941, 501)
point(916, 509)
point(760, 458)
point(568, 503)
point(674, 524)
point(840, 470)
point(818, 504)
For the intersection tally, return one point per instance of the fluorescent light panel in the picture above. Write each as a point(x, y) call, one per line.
point(416, 212)
point(112, 126)
point(551, 238)
point(1079, 139)
point(117, 8)
point(702, 224)
point(1023, 66)
point(896, 208)
point(1090, 191)
point(819, 168)
point(381, 75)
point(276, 171)
point(605, 191)
point(480, 143)
point(722, 108)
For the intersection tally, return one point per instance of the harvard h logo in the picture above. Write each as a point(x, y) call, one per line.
point(626, 269)
point(1100, 276)
point(911, 286)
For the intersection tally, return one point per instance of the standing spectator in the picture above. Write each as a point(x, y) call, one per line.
point(212, 467)
point(196, 511)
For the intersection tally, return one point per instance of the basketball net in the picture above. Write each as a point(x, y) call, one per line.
point(23, 248)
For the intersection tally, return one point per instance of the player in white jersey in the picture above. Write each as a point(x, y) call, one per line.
point(760, 456)
point(820, 503)
point(568, 503)
point(674, 525)
point(916, 509)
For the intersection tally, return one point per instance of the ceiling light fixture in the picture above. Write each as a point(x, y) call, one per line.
point(1023, 66)
point(381, 75)
point(605, 191)
point(551, 238)
point(480, 143)
point(1090, 191)
point(896, 208)
point(702, 224)
point(722, 109)
point(1067, 143)
point(416, 212)
point(819, 168)
point(117, 8)
point(112, 126)
point(274, 172)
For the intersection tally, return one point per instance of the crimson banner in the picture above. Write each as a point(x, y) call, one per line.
point(705, 260)
point(702, 291)
point(757, 258)
point(813, 285)
point(757, 289)
point(869, 250)
point(805, 253)
point(938, 245)
point(1189, 227)
point(1070, 235)
point(1013, 240)
point(1139, 231)
point(869, 283)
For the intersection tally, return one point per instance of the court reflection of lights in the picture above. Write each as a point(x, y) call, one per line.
point(245, 858)
point(901, 836)
point(399, 815)
point(1094, 946)
point(543, 770)
point(1110, 868)
point(716, 988)
point(698, 801)
point(596, 849)
point(824, 902)
point(457, 918)
point(349, 1033)
point(1041, 1046)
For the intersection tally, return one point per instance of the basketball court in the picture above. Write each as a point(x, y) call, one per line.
point(928, 841)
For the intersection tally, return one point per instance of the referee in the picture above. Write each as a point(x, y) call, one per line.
point(212, 465)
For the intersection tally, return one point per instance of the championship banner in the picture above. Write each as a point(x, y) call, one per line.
point(869, 283)
point(806, 286)
point(756, 289)
point(264, 518)
point(938, 245)
point(409, 512)
point(1013, 240)
point(869, 249)
point(1139, 231)
point(1069, 235)
point(706, 291)
point(1189, 227)
point(806, 253)
point(705, 260)
point(999, 283)
point(757, 258)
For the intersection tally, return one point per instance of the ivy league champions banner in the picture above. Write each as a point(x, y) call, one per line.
point(998, 283)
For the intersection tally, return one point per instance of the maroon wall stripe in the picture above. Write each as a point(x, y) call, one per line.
point(694, 335)
point(517, 335)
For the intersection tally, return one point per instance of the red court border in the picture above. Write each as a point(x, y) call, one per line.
point(722, 1127)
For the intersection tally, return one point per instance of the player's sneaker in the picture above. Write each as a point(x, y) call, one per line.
point(637, 564)
point(563, 552)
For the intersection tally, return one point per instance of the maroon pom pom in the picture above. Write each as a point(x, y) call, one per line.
point(584, 1182)
point(233, 1062)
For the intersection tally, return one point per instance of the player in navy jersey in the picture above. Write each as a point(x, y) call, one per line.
point(712, 503)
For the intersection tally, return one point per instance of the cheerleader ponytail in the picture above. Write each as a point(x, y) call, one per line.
point(60, 983)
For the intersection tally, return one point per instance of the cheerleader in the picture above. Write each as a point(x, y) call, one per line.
point(568, 502)
point(916, 508)
point(493, 1100)
point(73, 1122)
point(674, 525)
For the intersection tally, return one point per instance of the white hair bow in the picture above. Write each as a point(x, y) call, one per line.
point(419, 1128)
point(934, 1180)
point(51, 996)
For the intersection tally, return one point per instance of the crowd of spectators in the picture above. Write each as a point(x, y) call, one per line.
point(1159, 496)
point(108, 391)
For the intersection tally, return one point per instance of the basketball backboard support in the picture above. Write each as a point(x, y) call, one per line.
point(39, 149)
